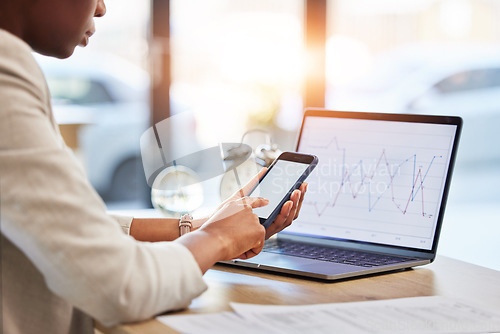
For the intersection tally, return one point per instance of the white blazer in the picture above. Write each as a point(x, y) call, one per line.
point(65, 261)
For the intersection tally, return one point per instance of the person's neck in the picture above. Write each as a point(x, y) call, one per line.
point(10, 20)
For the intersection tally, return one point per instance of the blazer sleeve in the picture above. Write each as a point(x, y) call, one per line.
point(53, 215)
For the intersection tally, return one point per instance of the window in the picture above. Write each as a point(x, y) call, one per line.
point(430, 57)
point(238, 65)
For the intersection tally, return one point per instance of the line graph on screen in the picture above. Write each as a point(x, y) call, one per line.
point(354, 180)
point(377, 181)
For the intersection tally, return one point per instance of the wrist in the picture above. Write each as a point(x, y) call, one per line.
point(197, 223)
point(188, 224)
point(206, 248)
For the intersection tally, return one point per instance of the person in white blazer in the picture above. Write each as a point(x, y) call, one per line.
point(64, 260)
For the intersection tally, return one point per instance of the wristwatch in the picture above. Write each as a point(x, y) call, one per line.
point(185, 224)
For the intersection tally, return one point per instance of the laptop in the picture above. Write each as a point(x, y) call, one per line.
point(375, 202)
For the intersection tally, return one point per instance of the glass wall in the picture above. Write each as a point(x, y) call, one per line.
point(439, 57)
point(237, 65)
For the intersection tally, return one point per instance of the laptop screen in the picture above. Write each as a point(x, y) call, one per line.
point(381, 178)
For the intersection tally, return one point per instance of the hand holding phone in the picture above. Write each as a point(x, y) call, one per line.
point(284, 175)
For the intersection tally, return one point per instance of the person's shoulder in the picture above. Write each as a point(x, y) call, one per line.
point(16, 56)
point(13, 48)
point(19, 69)
point(12, 43)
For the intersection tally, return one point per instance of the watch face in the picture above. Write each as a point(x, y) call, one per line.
point(243, 173)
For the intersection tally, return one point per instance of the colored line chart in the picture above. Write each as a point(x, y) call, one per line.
point(375, 181)
point(354, 187)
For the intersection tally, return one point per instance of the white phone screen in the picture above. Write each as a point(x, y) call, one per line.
point(276, 184)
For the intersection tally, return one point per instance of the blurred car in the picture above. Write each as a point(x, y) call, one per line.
point(462, 80)
point(109, 98)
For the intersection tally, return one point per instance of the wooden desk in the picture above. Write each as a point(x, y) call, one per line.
point(444, 277)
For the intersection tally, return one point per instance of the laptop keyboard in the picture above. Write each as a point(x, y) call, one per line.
point(330, 254)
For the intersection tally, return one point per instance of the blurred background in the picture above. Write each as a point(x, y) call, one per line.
point(230, 66)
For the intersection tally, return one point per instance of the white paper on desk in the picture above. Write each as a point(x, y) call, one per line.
point(406, 315)
point(423, 315)
point(215, 323)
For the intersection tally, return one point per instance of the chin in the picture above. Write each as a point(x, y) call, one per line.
point(61, 53)
point(66, 55)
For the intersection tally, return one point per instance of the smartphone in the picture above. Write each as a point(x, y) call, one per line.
point(285, 174)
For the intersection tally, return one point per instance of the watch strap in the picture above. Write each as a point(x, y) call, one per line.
point(185, 224)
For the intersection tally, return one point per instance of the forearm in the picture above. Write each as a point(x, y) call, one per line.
point(158, 229)
point(206, 249)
